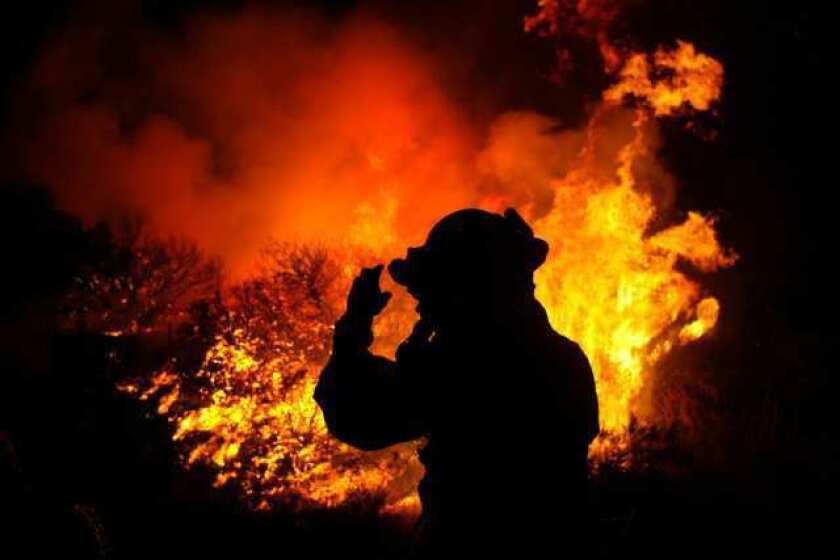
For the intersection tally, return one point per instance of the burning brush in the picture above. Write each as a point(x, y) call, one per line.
point(611, 282)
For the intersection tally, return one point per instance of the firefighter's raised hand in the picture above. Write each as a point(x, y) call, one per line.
point(366, 299)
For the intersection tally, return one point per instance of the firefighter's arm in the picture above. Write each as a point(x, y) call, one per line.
point(366, 400)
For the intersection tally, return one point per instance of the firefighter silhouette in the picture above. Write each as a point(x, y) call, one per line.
point(506, 404)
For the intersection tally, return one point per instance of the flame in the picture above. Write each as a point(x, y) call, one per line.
point(615, 289)
point(608, 284)
point(707, 315)
point(262, 427)
point(611, 283)
point(689, 79)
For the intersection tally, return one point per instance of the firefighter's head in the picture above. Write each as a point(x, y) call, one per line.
point(471, 260)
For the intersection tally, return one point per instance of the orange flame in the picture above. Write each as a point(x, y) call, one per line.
point(690, 79)
point(610, 283)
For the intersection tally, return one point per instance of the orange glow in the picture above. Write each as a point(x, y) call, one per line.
point(585, 19)
point(588, 18)
point(348, 143)
point(608, 284)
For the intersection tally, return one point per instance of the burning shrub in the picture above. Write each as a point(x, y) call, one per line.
point(142, 284)
point(247, 411)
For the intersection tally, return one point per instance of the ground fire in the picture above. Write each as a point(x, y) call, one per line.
point(617, 280)
point(608, 283)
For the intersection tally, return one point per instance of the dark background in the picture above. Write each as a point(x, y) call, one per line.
point(769, 176)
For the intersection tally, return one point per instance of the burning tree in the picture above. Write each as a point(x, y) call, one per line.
point(142, 283)
point(247, 411)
